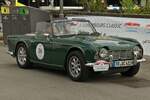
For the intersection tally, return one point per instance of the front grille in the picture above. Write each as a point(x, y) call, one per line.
point(122, 55)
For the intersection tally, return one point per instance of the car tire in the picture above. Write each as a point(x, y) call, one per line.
point(132, 71)
point(22, 56)
point(76, 68)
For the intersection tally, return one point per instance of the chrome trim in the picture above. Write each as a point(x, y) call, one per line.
point(10, 53)
point(141, 60)
point(90, 64)
point(122, 55)
point(137, 61)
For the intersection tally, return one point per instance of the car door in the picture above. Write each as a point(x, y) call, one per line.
point(41, 46)
point(59, 46)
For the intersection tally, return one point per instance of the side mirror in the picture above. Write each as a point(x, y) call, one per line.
point(46, 35)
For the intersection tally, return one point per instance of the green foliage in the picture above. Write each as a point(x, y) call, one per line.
point(146, 9)
point(128, 6)
point(93, 5)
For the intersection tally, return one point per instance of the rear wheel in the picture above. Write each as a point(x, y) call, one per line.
point(22, 56)
point(76, 66)
point(132, 71)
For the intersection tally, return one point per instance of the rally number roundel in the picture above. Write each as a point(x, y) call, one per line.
point(40, 51)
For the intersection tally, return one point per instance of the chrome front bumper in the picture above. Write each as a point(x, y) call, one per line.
point(92, 64)
point(10, 53)
point(104, 65)
point(141, 60)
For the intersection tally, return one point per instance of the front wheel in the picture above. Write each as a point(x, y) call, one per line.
point(22, 56)
point(132, 71)
point(76, 66)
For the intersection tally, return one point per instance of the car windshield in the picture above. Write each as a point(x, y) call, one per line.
point(72, 28)
point(43, 27)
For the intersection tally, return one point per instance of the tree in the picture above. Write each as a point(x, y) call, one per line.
point(94, 5)
point(146, 9)
point(147, 2)
point(128, 6)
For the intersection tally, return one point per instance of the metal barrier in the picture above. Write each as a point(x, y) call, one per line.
point(21, 20)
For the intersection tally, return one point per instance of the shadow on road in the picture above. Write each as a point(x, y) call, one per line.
point(134, 82)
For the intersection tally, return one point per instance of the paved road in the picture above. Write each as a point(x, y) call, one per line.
point(46, 84)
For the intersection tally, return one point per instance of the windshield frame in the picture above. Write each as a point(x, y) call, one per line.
point(79, 20)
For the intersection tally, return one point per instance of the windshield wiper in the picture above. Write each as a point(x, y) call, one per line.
point(83, 33)
point(96, 33)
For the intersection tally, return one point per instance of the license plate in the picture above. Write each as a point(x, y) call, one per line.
point(101, 67)
point(123, 63)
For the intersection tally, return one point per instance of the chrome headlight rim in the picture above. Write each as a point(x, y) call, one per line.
point(103, 53)
point(137, 51)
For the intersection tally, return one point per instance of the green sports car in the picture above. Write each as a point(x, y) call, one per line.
point(75, 46)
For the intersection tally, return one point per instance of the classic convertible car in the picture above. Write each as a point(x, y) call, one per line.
point(76, 46)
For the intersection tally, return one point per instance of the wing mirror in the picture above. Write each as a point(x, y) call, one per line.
point(47, 35)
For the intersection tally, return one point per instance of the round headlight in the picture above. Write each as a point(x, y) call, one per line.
point(103, 53)
point(137, 50)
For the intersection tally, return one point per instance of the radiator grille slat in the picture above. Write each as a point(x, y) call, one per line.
point(122, 55)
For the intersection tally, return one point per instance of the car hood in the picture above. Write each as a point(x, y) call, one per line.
point(110, 42)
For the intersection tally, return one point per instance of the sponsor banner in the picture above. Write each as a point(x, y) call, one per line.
point(137, 28)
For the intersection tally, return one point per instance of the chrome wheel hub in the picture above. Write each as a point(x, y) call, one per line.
point(22, 56)
point(74, 66)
